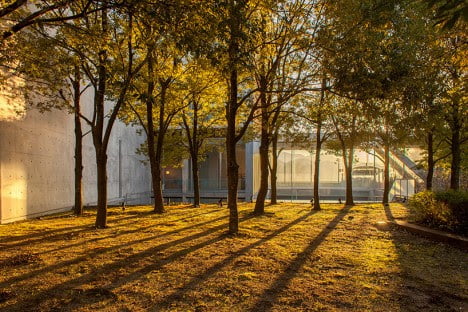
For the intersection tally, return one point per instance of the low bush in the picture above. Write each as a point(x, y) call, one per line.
point(457, 202)
point(444, 210)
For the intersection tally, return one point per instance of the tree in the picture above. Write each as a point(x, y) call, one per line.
point(375, 56)
point(282, 69)
point(321, 136)
point(202, 115)
point(98, 40)
point(442, 104)
point(429, 132)
point(350, 131)
point(389, 121)
point(160, 93)
point(155, 91)
point(234, 32)
point(455, 100)
point(353, 59)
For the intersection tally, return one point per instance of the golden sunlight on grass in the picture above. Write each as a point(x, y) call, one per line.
point(290, 259)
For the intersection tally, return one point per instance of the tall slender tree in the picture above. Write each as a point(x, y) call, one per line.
point(202, 115)
point(108, 34)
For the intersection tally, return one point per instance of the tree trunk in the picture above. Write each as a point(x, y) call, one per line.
point(348, 165)
point(101, 217)
point(155, 171)
point(231, 112)
point(386, 174)
point(264, 145)
point(98, 132)
point(195, 150)
point(318, 149)
point(78, 207)
point(196, 181)
point(430, 160)
point(232, 166)
point(348, 161)
point(233, 180)
point(157, 189)
point(274, 169)
point(157, 186)
point(455, 151)
point(154, 165)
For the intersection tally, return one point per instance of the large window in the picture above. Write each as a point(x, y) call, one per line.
point(213, 171)
point(295, 168)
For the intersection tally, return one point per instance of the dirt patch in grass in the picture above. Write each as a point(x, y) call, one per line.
point(290, 259)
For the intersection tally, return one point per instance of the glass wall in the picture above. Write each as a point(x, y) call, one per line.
point(209, 172)
point(295, 168)
point(213, 171)
point(296, 171)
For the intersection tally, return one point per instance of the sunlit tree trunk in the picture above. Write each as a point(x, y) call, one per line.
point(154, 164)
point(98, 132)
point(348, 166)
point(386, 191)
point(78, 207)
point(157, 182)
point(231, 112)
point(318, 149)
point(101, 217)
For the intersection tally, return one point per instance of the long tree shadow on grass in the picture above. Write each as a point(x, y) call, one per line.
point(58, 290)
point(271, 295)
point(68, 235)
point(10, 242)
point(217, 267)
point(125, 232)
point(97, 252)
point(55, 237)
point(47, 235)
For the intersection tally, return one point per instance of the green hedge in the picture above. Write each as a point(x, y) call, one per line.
point(444, 210)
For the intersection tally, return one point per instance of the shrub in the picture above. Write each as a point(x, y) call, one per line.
point(444, 210)
point(427, 210)
point(457, 202)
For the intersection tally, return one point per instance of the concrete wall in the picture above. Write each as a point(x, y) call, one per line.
point(37, 164)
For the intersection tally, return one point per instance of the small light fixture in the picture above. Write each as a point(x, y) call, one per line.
point(168, 172)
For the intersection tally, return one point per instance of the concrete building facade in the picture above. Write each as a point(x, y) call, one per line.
point(37, 162)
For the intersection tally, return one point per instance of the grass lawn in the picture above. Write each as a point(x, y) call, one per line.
point(290, 259)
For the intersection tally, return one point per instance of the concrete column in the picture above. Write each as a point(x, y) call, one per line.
point(185, 178)
point(249, 169)
point(220, 166)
